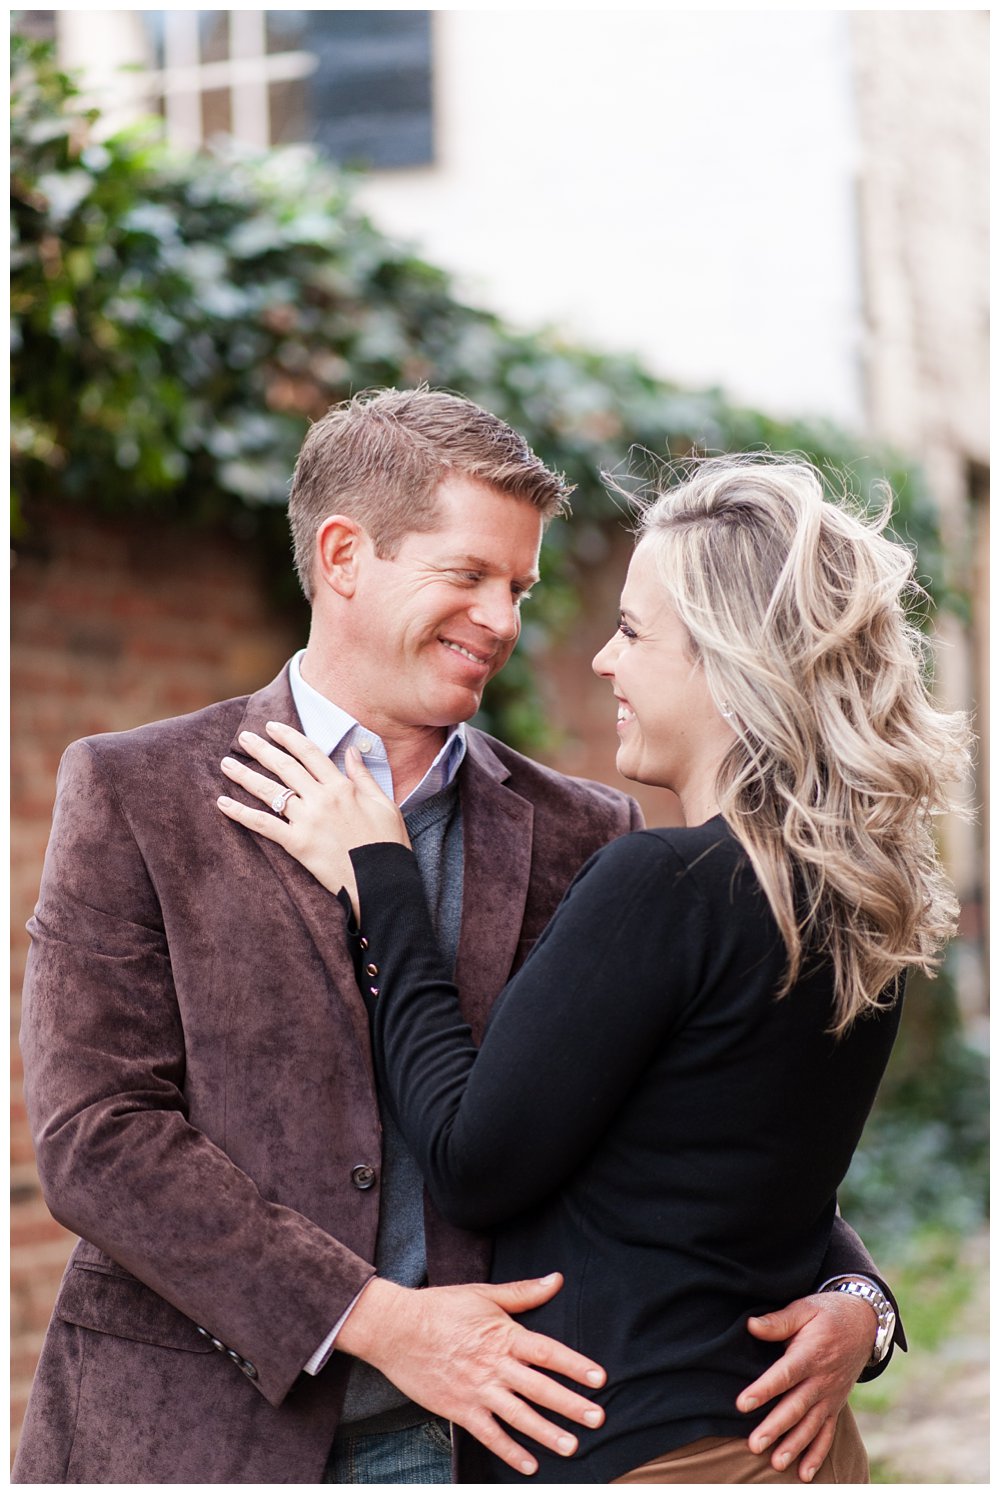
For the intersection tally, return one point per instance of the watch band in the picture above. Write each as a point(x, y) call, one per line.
point(867, 1290)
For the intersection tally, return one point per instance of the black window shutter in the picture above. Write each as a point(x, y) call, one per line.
point(370, 96)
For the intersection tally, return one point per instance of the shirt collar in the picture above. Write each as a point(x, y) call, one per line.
point(334, 730)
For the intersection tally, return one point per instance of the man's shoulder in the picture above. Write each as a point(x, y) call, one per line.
point(212, 724)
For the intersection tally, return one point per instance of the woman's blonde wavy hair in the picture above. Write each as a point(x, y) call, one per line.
point(796, 609)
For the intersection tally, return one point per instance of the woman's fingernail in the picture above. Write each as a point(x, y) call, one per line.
point(249, 736)
point(595, 1377)
point(229, 762)
point(528, 1466)
point(223, 802)
point(748, 1403)
point(272, 724)
point(567, 1446)
point(594, 1418)
point(808, 1474)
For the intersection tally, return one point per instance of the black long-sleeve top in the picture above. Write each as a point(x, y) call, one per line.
point(643, 1115)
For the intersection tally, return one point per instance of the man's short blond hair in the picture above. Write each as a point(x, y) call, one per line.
point(380, 457)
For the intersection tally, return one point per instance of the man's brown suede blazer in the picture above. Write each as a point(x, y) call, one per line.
point(200, 1089)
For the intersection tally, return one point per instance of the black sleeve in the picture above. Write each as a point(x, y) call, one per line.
point(496, 1130)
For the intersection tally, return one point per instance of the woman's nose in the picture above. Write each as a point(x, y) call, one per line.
point(604, 660)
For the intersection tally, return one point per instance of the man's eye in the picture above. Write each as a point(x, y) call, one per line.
point(520, 594)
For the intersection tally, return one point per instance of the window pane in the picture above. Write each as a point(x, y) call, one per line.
point(216, 116)
point(154, 20)
point(39, 25)
point(289, 112)
point(213, 35)
point(285, 30)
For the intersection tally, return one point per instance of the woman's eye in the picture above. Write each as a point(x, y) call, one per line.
point(625, 630)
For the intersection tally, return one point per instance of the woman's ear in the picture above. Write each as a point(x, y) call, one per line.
point(340, 542)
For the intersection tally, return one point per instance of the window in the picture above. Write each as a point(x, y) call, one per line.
point(38, 25)
point(356, 83)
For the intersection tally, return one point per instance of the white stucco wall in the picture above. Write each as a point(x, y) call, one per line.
point(679, 184)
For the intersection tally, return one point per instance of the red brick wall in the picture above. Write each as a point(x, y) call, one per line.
point(113, 624)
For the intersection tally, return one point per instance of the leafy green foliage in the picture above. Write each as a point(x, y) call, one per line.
point(178, 319)
point(923, 1162)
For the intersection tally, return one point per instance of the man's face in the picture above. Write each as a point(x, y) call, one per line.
point(434, 624)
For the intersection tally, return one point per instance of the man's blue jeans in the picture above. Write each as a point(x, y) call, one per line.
point(416, 1455)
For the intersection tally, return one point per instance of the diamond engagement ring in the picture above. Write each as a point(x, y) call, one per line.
point(280, 800)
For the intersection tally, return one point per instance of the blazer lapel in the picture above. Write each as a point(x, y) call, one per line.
point(497, 844)
point(320, 911)
point(497, 835)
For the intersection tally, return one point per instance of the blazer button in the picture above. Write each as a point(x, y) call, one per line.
point(371, 969)
point(217, 1344)
point(250, 1370)
point(363, 1176)
point(363, 942)
point(203, 1331)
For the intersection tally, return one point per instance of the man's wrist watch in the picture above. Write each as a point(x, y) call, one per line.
point(860, 1286)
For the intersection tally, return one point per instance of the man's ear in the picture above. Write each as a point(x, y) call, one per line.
point(340, 543)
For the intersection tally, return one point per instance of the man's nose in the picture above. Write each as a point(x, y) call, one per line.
point(496, 610)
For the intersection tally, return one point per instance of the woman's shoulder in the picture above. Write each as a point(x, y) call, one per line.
point(695, 843)
point(704, 854)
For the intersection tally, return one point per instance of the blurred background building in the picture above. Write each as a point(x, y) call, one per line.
point(791, 205)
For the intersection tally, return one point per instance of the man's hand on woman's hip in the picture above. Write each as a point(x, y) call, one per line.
point(830, 1338)
point(457, 1351)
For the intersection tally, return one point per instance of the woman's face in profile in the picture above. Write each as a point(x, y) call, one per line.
point(669, 731)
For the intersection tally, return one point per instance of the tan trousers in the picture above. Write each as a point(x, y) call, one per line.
point(728, 1460)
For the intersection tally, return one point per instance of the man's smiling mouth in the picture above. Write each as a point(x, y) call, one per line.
point(466, 653)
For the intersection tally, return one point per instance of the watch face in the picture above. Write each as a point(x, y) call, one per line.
point(883, 1335)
